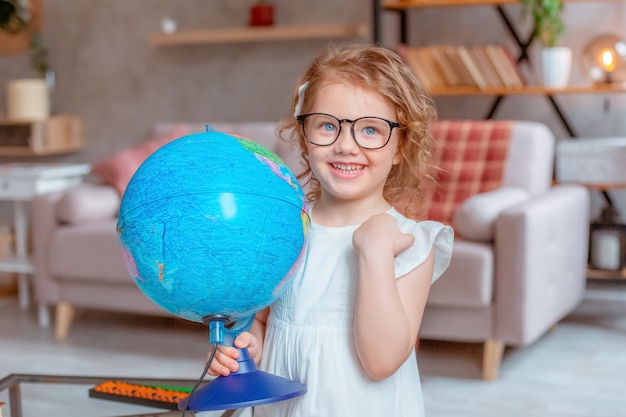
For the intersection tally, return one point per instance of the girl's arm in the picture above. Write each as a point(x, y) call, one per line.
point(388, 310)
point(225, 360)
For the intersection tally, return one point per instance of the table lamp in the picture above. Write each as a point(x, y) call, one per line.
point(604, 59)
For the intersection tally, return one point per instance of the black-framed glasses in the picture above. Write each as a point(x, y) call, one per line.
point(368, 132)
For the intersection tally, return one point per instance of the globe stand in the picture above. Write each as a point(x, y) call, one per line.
point(248, 387)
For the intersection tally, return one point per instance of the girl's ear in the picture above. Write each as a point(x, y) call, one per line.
point(397, 158)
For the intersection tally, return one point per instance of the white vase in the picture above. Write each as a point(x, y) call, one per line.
point(556, 66)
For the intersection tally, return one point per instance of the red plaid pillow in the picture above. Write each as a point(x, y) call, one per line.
point(471, 156)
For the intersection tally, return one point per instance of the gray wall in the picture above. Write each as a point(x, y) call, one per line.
point(120, 85)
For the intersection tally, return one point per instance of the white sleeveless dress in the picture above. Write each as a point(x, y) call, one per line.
point(309, 335)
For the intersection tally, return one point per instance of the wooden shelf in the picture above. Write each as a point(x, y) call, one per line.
point(410, 4)
point(60, 134)
point(602, 274)
point(597, 186)
point(259, 34)
point(528, 89)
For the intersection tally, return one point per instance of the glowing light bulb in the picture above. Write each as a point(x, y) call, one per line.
point(607, 60)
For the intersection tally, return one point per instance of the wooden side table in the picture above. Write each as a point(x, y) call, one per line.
point(20, 183)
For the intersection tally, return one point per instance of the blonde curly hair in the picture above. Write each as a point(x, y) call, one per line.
point(381, 70)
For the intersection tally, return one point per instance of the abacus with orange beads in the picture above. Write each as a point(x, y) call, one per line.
point(165, 397)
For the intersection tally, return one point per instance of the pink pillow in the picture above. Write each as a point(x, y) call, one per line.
point(117, 170)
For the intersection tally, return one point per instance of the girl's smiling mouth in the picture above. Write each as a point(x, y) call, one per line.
point(347, 169)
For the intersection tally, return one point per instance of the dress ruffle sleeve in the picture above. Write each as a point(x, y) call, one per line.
point(429, 235)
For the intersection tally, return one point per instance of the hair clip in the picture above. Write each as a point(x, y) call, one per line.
point(301, 89)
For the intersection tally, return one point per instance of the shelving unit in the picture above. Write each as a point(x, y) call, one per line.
point(259, 34)
point(403, 6)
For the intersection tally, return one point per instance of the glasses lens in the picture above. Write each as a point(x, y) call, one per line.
point(321, 129)
point(371, 132)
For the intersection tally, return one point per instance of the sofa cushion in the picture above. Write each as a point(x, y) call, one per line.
point(118, 169)
point(468, 281)
point(471, 157)
point(476, 217)
point(87, 203)
point(88, 252)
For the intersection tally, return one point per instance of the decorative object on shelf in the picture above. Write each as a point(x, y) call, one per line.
point(604, 59)
point(168, 25)
point(548, 26)
point(28, 99)
point(556, 66)
point(261, 14)
point(608, 247)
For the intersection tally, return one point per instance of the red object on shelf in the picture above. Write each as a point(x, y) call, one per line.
point(261, 15)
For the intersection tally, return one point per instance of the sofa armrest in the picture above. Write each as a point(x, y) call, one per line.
point(475, 218)
point(541, 247)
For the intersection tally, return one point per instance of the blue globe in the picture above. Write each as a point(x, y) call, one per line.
point(213, 224)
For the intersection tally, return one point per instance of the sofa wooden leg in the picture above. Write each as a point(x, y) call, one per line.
point(492, 356)
point(64, 318)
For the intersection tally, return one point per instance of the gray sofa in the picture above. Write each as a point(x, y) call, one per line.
point(521, 274)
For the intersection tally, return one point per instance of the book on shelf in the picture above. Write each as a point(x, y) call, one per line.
point(459, 67)
point(422, 64)
point(486, 67)
point(481, 66)
point(502, 63)
point(446, 67)
point(472, 67)
point(513, 66)
point(438, 80)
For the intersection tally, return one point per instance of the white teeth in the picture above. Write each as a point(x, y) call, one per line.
point(348, 169)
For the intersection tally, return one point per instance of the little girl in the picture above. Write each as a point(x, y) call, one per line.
point(348, 324)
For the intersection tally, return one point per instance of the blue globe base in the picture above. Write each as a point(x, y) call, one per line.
point(247, 387)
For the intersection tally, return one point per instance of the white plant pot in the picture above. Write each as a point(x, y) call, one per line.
point(556, 66)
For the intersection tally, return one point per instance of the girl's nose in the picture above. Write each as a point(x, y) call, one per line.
point(345, 142)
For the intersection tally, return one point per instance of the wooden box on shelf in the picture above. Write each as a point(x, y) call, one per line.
point(54, 135)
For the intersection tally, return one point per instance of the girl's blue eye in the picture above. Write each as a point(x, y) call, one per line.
point(328, 127)
point(369, 131)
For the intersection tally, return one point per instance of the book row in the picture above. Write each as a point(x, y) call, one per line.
point(482, 66)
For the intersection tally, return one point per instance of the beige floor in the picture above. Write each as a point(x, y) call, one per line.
point(577, 370)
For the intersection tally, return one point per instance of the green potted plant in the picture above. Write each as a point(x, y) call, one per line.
point(548, 23)
point(548, 27)
point(20, 21)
